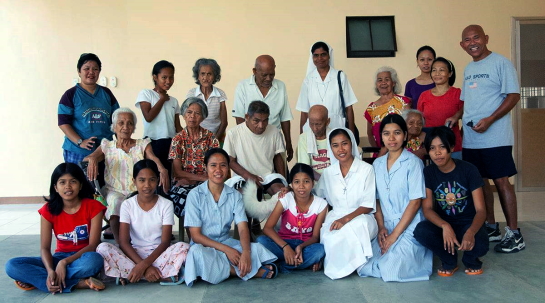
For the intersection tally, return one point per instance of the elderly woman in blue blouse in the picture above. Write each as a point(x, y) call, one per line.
point(206, 73)
point(84, 112)
point(397, 256)
point(210, 211)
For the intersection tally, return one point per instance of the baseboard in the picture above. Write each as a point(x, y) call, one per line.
point(22, 200)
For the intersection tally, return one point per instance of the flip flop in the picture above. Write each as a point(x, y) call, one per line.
point(474, 272)
point(268, 270)
point(94, 284)
point(17, 283)
point(174, 282)
point(442, 274)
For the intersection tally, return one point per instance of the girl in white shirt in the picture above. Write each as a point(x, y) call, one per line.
point(144, 235)
point(161, 112)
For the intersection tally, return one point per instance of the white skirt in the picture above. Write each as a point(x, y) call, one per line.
point(348, 248)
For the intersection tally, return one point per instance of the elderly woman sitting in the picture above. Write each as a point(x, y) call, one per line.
point(206, 73)
point(415, 123)
point(387, 87)
point(187, 152)
point(120, 155)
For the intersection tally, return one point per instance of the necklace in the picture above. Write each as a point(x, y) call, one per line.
point(300, 221)
point(325, 91)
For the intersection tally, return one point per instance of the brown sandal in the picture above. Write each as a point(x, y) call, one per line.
point(94, 284)
point(20, 284)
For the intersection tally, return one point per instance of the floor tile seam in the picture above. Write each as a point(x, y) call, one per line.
point(511, 276)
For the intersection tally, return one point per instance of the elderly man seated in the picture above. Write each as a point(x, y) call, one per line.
point(255, 149)
point(312, 146)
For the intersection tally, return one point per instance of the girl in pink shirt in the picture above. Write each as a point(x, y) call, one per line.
point(297, 243)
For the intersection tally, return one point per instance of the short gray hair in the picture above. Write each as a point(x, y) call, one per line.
point(393, 76)
point(216, 69)
point(122, 110)
point(407, 112)
point(192, 100)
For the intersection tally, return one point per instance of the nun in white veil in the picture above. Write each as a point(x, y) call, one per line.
point(348, 185)
point(321, 87)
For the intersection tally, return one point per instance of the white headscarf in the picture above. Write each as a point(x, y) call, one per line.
point(311, 67)
point(355, 150)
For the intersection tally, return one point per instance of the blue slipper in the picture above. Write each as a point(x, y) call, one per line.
point(174, 282)
point(267, 271)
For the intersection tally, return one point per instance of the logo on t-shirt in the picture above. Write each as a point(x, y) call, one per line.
point(451, 197)
point(81, 232)
point(96, 115)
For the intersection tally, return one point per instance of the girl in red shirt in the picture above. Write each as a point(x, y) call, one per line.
point(76, 222)
point(297, 242)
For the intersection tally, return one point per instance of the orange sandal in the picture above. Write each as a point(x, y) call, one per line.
point(94, 284)
point(446, 272)
point(27, 286)
point(474, 272)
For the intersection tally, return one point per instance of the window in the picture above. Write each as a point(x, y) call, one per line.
point(370, 37)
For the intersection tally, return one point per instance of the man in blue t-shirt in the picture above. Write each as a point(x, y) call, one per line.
point(490, 91)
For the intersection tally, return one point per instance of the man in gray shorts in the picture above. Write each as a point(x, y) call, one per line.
point(490, 91)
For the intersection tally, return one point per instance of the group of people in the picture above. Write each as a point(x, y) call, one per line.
point(384, 220)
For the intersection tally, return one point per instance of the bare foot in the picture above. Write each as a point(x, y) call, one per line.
point(317, 267)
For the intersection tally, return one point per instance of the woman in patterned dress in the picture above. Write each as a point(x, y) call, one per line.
point(120, 155)
point(387, 87)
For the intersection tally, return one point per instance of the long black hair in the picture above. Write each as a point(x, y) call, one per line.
point(55, 203)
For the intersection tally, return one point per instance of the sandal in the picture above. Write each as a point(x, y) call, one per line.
point(474, 272)
point(175, 281)
point(268, 270)
point(446, 272)
point(21, 286)
point(94, 284)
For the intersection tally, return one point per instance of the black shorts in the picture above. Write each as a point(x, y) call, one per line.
point(493, 163)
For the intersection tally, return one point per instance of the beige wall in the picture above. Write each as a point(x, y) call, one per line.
point(42, 40)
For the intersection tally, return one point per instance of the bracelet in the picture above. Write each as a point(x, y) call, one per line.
point(284, 246)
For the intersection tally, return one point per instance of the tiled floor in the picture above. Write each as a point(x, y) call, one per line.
point(507, 278)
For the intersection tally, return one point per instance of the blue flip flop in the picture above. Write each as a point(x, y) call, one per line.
point(174, 282)
point(267, 270)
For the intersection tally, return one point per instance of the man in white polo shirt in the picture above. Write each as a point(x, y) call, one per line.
point(262, 86)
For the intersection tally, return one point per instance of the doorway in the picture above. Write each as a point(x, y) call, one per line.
point(529, 34)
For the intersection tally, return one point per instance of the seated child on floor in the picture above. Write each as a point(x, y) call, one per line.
point(145, 229)
point(454, 207)
point(76, 222)
point(297, 243)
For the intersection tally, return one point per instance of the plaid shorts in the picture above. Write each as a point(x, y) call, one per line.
point(72, 157)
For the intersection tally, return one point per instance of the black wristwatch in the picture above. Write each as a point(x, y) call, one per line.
point(80, 141)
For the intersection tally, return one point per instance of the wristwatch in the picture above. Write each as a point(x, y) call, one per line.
point(80, 141)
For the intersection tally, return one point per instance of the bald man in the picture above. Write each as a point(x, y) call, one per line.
point(490, 91)
point(262, 86)
point(312, 146)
